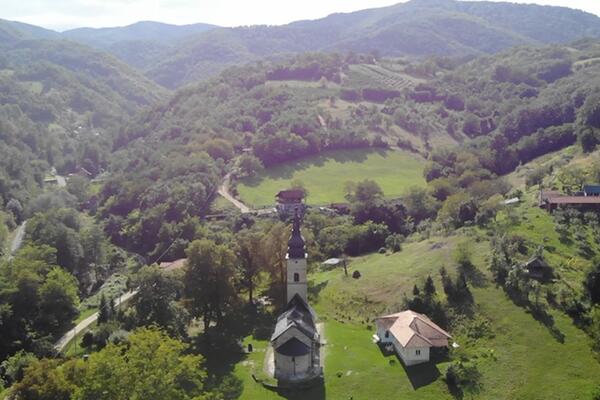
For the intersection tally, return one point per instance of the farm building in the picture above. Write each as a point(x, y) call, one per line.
point(551, 200)
point(537, 268)
point(290, 200)
point(411, 334)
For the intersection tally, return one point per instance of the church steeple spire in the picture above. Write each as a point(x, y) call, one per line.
point(296, 263)
point(296, 246)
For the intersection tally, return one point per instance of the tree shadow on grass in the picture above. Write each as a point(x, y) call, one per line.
point(315, 290)
point(315, 392)
point(539, 314)
point(419, 375)
point(546, 319)
point(474, 275)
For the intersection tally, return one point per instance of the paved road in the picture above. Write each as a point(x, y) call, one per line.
point(18, 239)
point(224, 191)
point(61, 181)
point(66, 339)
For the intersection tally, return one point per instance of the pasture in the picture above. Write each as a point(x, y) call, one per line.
point(520, 359)
point(325, 175)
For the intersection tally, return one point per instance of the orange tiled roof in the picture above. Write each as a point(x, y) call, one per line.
point(412, 329)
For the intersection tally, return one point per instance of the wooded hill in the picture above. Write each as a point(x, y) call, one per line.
point(60, 105)
point(138, 44)
point(177, 55)
point(416, 28)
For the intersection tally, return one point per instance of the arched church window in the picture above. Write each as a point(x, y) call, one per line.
point(296, 277)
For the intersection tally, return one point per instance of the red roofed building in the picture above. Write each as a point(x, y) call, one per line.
point(172, 265)
point(551, 200)
point(290, 200)
point(412, 335)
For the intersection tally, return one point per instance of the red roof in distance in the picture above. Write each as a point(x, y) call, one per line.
point(291, 194)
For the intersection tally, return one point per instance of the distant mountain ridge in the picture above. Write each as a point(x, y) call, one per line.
point(415, 28)
point(177, 55)
point(143, 30)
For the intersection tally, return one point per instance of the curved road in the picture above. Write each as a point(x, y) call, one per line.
point(67, 337)
point(20, 232)
point(224, 191)
point(18, 239)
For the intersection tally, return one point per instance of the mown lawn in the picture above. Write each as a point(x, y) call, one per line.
point(324, 176)
point(521, 360)
point(355, 367)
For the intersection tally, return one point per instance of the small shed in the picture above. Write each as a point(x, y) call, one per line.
point(332, 262)
point(537, 268)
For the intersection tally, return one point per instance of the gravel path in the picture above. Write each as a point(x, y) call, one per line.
point(66, 339)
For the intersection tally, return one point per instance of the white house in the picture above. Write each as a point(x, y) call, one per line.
point(412, 335)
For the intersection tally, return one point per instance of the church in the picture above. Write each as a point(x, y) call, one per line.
point(296, 340)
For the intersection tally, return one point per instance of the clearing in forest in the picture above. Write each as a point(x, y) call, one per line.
point(325, 175)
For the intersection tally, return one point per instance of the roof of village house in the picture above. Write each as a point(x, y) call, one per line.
point(537, 262)
point(412, 329)
point(290, 194)
point(297, 314)
point(573, 200)
point(172, 265)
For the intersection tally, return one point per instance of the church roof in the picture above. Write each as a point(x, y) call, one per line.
point(296, 248)
point(297, 314)
point(293, 347)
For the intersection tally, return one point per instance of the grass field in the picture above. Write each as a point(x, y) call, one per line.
point(521, 360)
point(324, 176)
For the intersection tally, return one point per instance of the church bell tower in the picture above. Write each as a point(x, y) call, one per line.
point(296, 263)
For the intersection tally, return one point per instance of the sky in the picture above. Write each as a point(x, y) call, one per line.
point(66, 14)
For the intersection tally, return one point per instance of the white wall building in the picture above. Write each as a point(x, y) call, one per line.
point(411, 334)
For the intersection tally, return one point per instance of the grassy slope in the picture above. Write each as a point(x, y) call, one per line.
point(530, 363)
point(324, 175)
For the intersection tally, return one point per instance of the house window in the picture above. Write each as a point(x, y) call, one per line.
point(418, 352)
point(296, 277)
point(387, 334)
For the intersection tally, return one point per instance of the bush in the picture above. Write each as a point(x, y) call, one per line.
point(463, 376)
point(394, 242)
point(87, 340)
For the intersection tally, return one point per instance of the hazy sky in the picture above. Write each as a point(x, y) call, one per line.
point(65, 14)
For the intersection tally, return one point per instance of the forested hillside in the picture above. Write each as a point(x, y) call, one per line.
point(423, 118)
point(417, 28)
point(61, 105)
point(177, 55)
point(138, 44)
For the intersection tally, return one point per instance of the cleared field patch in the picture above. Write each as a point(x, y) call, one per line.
point(325, 175)
point(368, 75)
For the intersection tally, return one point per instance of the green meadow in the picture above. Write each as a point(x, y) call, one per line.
point(522, 359)
point(325, 175)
